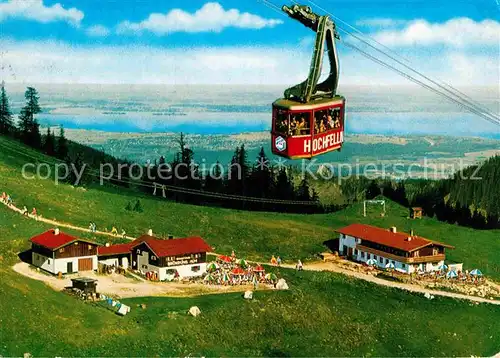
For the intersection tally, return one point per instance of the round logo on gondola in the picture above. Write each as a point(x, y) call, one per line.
point(280, 144)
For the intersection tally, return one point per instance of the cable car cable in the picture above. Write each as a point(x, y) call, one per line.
point(479, 108)
point(409, 77)
point(172, 188)
point(469, 106)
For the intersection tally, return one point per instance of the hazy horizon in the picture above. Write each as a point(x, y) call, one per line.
point(230, 109)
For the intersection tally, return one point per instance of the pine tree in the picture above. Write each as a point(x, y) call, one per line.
point(49, 143)
point(261, 178)
point(28, 124)
point(284, 189)
point(213, 180)
point(303, 190)
point(6, 124)
point(62, 145)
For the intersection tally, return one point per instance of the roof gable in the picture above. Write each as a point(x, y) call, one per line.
point(174, 247)
point(51, 241)
point(397, 240)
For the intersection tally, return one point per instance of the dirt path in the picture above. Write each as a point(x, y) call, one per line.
point(151, 289)
point(332, 267)
point(65, 225)
point(116, 285)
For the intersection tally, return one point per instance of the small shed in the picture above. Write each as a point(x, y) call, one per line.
point(416, 213)
point(87, 285)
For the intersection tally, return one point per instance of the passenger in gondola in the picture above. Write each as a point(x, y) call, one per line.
point(294, 126)
point(331, 122)
point(322, 127)
point(301, 126)
point(307, 126)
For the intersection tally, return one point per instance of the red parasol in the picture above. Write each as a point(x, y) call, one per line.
point(238, 271)
point(225, 258)
point(259, 268)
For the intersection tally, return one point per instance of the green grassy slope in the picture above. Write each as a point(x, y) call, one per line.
point(324, 314)
point(255, 235)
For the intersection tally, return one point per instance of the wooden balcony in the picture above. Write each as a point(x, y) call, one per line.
point(406, 260)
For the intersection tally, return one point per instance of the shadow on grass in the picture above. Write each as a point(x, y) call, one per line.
point(26, 256)
point(332, 245)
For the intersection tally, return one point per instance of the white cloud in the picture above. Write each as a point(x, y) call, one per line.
point(212, 17)
point(380, 22)
point(97, 31)
point(54, 62)
point(457, 32)
point(37, 11)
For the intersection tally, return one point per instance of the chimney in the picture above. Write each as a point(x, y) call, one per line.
point(150, 232)
point(412, 233)
point(56, 231)
point(393, 229)
point(408, 238)
point(170, 237)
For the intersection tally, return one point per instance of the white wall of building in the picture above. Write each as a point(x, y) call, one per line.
point(61, 265)
point(44, 262)
point(346, 241)
point(117, 261)
point(109, 261)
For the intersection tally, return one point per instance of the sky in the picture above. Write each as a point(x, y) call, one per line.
point(239, 42)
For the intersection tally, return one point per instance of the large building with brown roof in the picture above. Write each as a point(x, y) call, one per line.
point(407, 252)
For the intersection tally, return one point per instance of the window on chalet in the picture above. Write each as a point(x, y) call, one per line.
point(195, 268)
point(356, 252)
point(76, 243)
point(417, 254)
point(404, 266)
point(48, 261)
point(381, 260)
point(138, 251)
point(90, 247)
point(153, 258)
point(61, 249)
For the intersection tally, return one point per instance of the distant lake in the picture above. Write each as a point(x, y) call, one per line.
point(393, 123)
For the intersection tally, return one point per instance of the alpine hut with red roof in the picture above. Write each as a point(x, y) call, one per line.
point(389, 248)
point(185, 257)
point(158, 258)
point(55, 251)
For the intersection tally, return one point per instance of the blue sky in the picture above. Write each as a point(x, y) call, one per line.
point(237, 42)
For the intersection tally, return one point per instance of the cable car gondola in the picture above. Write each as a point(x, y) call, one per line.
point(309, 120)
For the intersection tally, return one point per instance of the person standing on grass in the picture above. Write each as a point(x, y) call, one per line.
point(278, 261)
point(25, 210)
point(114, 231)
